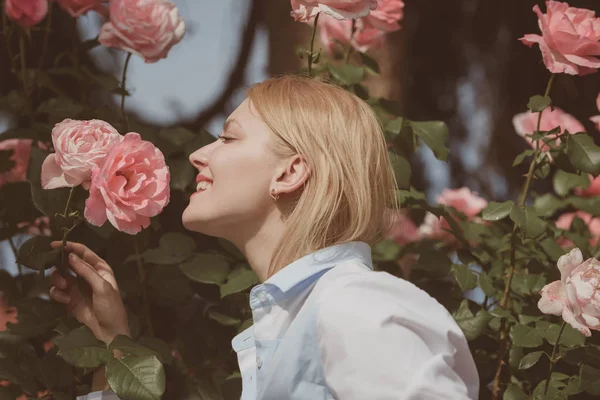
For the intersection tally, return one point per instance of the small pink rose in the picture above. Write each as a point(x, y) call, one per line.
point(79, 7)
point(526, 123)
point(570, 41)
point(306, 10)
point(576, 296)
point(462, 200)
point(386, 16)
point(21, 149)
point(596, 119)
point(79, 146)
point(332, 32)
point(148, 28)
point(402, 228)
point(26, 13)
point(131, 186)
point(565, 220)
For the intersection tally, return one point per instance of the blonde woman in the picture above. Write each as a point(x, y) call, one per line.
point(300, 182)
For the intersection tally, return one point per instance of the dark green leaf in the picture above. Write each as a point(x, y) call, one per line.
point(161, 348)
point(60, 108)
point(502, 313)
point(207, 268)
point(539, 103)
point(588, 204)
point(136, 378)
point(57, 373)
point(521, 157)
point(81, 349)
point(530, 359)
point(497, 211)
point(37, 254)
point(347, 74)
point(435, 136)
point(564, 182)
point(239, 279)
point(395, 126)
point(546, 205)
point(487, 285)
point(370, 63)
point(525, 336)
point(36, 317)
point(583, 153)
point(514, 392)
point(402, 170)
point(472, 325)
point(223, 319)
point(465, 278)
point(570, 336)
point(590, 380)
point(174, 247)
point(528, 221)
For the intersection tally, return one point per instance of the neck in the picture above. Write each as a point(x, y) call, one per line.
point(259, 247)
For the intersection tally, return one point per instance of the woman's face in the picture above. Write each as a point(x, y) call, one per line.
point(238, 172)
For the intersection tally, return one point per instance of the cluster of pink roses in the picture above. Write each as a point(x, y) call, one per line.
point(373, 19)
point(126, 176)
point(148, 28)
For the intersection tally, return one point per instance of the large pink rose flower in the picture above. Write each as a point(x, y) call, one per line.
point(565, 220)
point(332, 31)
point(386, 16)
point(596, 119)
point(462, 200)
point(306, 10)
point(80, 147)
point(526, 123)
point(26, 13)
point(570, 38)
point(131, 186)
point(21, 149)
point(576, 296)
point(80, 7)
point(148, 28)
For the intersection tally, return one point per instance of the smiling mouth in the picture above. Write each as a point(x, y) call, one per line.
point(203, 185)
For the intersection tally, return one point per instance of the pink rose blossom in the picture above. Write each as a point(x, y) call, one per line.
point(596, 119)
point(306, 10)
point(39, 227)
point(80, 146)
point(570, 38)
point(21, 149)
point(148, 28)
point(593, 224)
point(526, 123)
point(79, 7)
point(576, 296)
point(332, 31)
point(462, 200)
point(403, 230)
point(592, 191)
point(26, 13)
point(386, 16)
point(131, 186)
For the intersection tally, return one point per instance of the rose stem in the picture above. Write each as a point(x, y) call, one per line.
point(124, 91)
point(552, 360)
point(349, 49)
point(312, 44)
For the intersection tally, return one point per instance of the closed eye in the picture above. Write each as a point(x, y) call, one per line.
point(225, 138)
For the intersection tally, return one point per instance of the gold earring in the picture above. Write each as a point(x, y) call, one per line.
point(274, 194)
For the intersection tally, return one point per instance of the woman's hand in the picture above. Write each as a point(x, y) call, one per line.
point(103, 312)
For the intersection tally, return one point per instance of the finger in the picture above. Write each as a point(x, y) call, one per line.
point(87, 272)
point(81, 250)
point(59, 296)
point(58, 280)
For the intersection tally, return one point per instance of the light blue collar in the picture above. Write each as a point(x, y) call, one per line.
point(321, 260)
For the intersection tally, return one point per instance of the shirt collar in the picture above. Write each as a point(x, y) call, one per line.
point(321, 260)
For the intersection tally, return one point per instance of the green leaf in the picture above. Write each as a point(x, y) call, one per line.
point(37, 254)
point(521, 157)
point(434, 262)
point(590, 379)
point(583, 153)
point(530, 359)
point(223, 319)
point(497, 211)
point(207, 268)
point(472, 325)
point(546, 205)
point(60, 108)
point(81, 348)
point(570, 336)
point(435, 136)
point(525, 336)
point(402, 170)
point(136, 378)
point(57, 373)
point(347, 74)
point(514, 392)
point(486, 284)
point(539, 103)
point(174, 247)
point(132, 348)
point(564, 182)
point(465, 278)
point(528, 221)
point(36, 317)
point(590, 204)
point(370, 63)
point(386, 250)
point(160, 347)
point(395, 126)
point(239, 279)
point(502, 313)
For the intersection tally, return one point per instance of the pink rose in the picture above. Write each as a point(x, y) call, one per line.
point(526, 123)
point(592, 191)
point(130, 187)
point(7, 313)
point(21, 149)
point(403, 230)
point(26, 13)
point(386, 16)
point(80, 147)
point(148, 28)
point(79, 7)
point(570, 38)
point(462, 200)
point(306, 10)
point(593, 224)
point(332, 31)
point(576, 296)
point(596, 119)
point(39, 227)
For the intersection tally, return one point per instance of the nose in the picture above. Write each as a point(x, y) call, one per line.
point(199, 158)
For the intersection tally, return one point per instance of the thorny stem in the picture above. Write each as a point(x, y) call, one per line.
point(312, 44)
point(552, 359)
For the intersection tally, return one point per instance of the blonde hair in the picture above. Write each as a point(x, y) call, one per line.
point(351, 185)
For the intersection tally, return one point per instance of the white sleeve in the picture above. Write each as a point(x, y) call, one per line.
point(374, 346)
point(104, 395)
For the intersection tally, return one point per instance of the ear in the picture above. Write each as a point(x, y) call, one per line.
point(295, 171)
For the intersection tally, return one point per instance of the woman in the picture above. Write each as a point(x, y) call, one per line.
point(300, 182)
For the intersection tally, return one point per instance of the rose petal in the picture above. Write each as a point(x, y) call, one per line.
point(568, 262)
point(551, 301)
